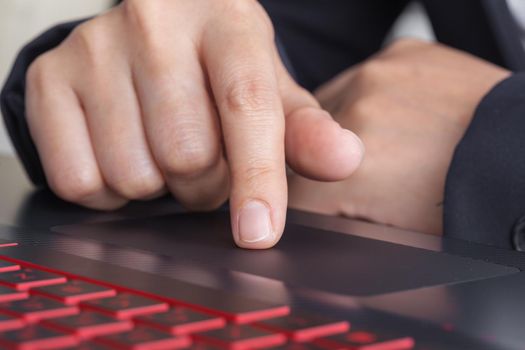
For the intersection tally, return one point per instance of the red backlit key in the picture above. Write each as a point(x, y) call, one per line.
point(299, 346)
point(36, 337)
point(237, 309)
point(90, 324)
point(75, 291)
point(181, 320)
point(8, 323)
point(6, 244)
point(126, 305)
point(240, 337)
point(27, 278)
point(6, 266)
point(364, 340)
point(36, 308)
point(145, 338)
point(300, 328)
point(9, 294)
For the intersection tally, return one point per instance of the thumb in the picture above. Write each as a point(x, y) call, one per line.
point(316, 145)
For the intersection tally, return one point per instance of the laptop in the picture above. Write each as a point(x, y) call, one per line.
point(151, 276)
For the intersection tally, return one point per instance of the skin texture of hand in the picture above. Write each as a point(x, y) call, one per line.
point(186, 96)
point(410, 104)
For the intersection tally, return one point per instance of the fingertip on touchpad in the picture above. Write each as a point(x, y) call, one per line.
point(305, 257)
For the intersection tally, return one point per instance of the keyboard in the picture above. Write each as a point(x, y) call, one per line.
point(42, 307)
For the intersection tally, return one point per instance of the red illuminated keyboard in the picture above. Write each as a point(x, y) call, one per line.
point(44, 308)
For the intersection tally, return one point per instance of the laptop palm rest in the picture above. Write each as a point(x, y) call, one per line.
point(305, 257)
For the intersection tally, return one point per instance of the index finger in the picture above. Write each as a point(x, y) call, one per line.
point(239, 60)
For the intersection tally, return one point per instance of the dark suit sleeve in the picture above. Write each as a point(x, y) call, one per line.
point(467, 26)
point(321, 38)
point(12, 99)
point(485, 189)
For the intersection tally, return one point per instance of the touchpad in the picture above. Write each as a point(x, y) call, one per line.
point(305, 257)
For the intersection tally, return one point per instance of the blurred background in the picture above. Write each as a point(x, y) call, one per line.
point(21, 20)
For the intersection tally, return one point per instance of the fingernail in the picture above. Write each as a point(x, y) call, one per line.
point(254, 222)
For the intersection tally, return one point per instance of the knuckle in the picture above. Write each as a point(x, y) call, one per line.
point(189, 162)
point(40, 72)
point(134, 7)
point(144, 17)
point(90, 38)
point(137, 186)
point(188, 155)
point(256, 172)
point(160, 70)
point(239, 9)
point(247, 13)
point(82, 33)
point(249, 95)
point(139, 10)
point(76, 186)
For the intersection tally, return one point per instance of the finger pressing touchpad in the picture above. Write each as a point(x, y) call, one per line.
point(305, 257)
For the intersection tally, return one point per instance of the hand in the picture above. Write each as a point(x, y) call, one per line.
point(410, 104)
point(144, 97)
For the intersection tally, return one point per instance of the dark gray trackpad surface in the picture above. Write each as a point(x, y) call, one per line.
point(305, 257)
